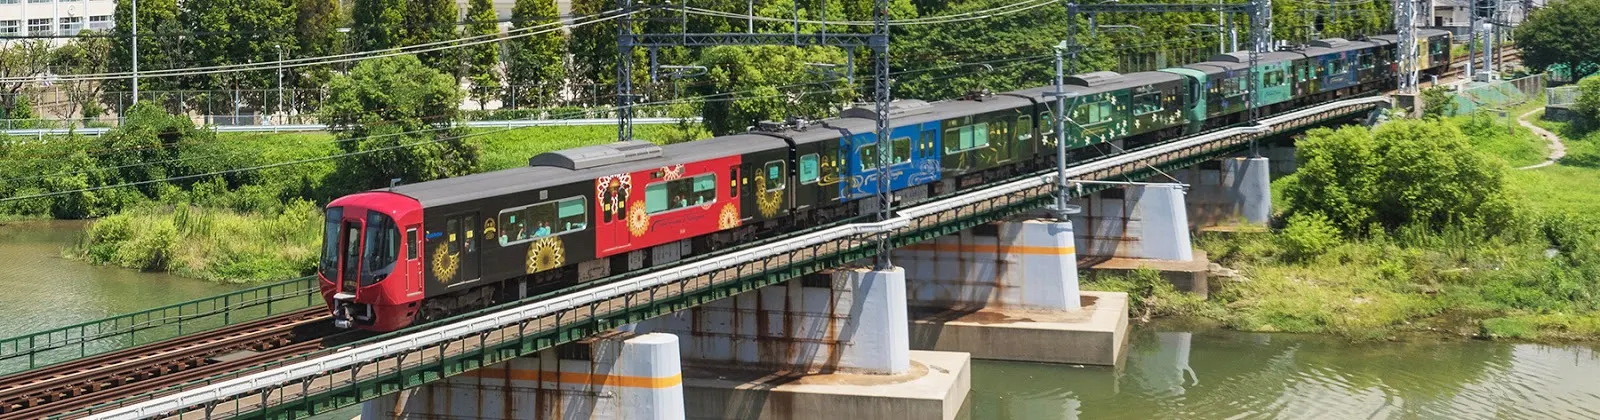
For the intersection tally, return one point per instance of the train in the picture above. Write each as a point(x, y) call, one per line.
point(413, 253)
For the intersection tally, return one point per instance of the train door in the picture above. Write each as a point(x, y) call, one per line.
point(462, 242)
point(413, 261)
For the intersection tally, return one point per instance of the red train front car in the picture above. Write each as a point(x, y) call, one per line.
point(371, 267)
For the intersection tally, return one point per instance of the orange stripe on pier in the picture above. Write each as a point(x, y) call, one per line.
point(1008, 249)
point(577, 378)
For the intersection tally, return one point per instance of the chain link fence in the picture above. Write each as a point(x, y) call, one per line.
point(1499, 94)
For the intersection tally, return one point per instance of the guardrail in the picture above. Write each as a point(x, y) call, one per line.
point(335, 378)
point(289, 128)
point(76, 341)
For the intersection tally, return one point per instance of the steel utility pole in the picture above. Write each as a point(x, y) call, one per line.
point(1405, 23)
point(280, 81)
point(135, 53)
point(1063, 208)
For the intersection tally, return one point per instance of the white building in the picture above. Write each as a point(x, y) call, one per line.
point(54, 17)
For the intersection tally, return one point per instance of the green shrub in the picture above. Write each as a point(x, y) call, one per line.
point(1308, 235)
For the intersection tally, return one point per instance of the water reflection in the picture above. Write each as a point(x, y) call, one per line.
point(1222, 374)
point(39, 289)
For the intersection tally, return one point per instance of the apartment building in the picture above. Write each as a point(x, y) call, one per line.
point(54, 17)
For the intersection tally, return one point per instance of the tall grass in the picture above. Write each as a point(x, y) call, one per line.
point(208, 243)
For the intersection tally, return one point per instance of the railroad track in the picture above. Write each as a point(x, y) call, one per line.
point(1458, 65)
point(163, 364)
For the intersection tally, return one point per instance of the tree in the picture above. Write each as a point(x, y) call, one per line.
point(1437, 102)
point(400, 115)
point(85, 55)
point(378, 24)
point(483, 60)
point(1404, 173)
point(238, 32)
point(535, 68)
point(317, 31)
point(594, 52)
point(430, 21)
point(20, 61)
point(773, 82)
point(155, 52)
point(1561, 34)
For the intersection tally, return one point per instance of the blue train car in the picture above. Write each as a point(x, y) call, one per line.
point(913, 150)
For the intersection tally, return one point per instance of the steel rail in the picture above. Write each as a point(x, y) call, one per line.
point(432, 338)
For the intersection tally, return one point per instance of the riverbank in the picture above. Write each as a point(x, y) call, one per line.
point(1530, 276)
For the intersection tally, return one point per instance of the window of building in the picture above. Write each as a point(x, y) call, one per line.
point(100, 22)
point(774, 172)
point(38, 26)
point(15, 2)
point(70, 25)
point(679, 193)
point(10, 27)
point(550, 218)
point(967, 137)
point(808, 169)
point(1146, 103)
point(40, 1)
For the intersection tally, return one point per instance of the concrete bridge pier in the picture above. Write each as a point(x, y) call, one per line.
point(828, 345)
point(617, 375)
point(1233, 193)
point(1009, 291)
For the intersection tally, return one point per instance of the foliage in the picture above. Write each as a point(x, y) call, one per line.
point(19, 62)
point(535, 64)
point(1561, 34)
point(84, 55)
point(238, 32)
point(378, 24)
point(1150, 295)
point(1403, 173)
point(398, 115)
point(773, 83)
point(211, 244)
point(1438, 102)
point(594, 50)
point(1308, 235)
point(483, 60)
point(1588, 104)
point(155, 53)
point(431, 21)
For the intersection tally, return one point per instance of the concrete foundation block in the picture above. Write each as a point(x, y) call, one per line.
point(1097, 334)
point(614, 376)
point(934, 386)
point(1187, 276)
point(1249, 185)
point(1029, 263)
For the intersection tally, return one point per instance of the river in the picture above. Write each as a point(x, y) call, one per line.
point(1172, 370)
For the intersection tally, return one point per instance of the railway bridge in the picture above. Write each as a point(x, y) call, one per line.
point(641, 345)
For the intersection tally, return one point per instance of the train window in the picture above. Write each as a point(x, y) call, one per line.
point(733, 182)
point(1047, 124)
point(1366, 61)
point(522, 224)
point(330, 244)
point(1274, 78)
point(411, 243)
point(1146, 103)
point(966, 138)
point(469, 229)
point(808, 169)
point(383, 247)
point(453, 233)
point(926, 142)
point(679, 193)
point(775, 175)
point(900, 150)
point(1025, 128)
point(1092, 113)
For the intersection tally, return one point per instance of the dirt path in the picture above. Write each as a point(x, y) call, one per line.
point(1557, 149)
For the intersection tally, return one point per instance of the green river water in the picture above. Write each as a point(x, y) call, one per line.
point(1172, 371)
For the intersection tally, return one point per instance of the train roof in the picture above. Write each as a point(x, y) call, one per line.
point(1244, 57)
point(545, 169)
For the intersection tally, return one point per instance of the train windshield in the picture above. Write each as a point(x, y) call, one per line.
point(383, 247)
point(330, 244)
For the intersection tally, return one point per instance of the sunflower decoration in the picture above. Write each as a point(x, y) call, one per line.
point(445, 264)
point(767, 201)
point(638, 219)
point(729, 218)
point(546, 254)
